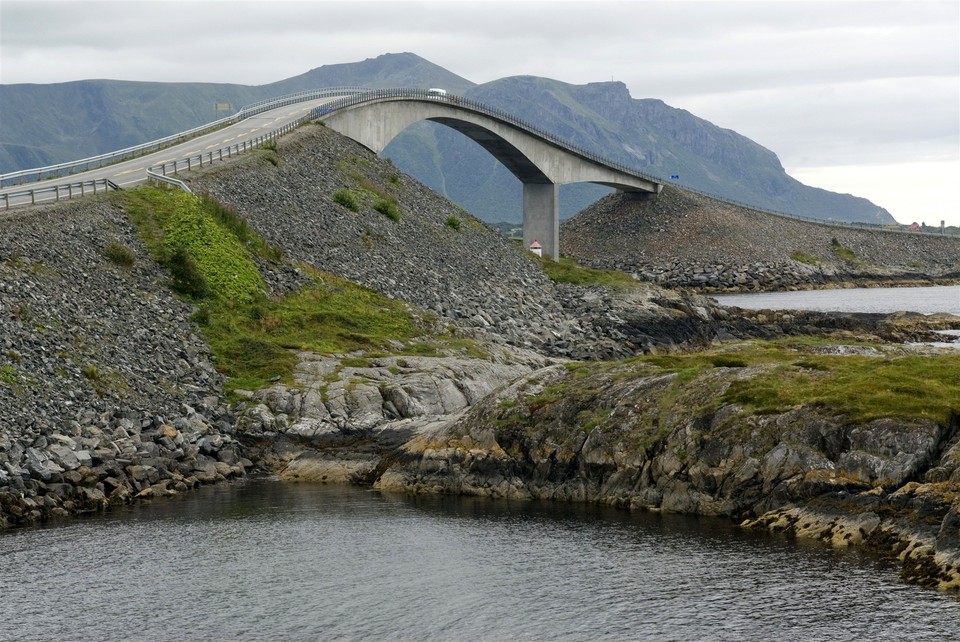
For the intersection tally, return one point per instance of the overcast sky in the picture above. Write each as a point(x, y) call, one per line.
point(856, 96)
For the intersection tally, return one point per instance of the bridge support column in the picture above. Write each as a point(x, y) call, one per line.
point(541, 217)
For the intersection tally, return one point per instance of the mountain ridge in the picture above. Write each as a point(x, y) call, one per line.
point(48, 124)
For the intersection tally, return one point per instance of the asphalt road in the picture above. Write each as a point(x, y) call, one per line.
point(134, 171)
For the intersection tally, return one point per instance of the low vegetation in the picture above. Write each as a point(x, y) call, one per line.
point(209, 251)
point(119, 254)
point(789, 373)
point(803, 257)
point(269, 151)
point(843, 253)
point(388, 207)
point(347, 198)
point(569, 271)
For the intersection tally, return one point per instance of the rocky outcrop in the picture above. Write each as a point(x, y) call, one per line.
point(636, 440)
point(683, 239)
point(628, 434)
point(342, 415)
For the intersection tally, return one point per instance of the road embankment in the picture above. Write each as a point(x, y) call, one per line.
point(682, 239)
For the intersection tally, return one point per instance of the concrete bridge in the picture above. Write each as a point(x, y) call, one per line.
point(541, 161)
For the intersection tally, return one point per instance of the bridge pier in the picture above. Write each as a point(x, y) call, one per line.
point(541, 217)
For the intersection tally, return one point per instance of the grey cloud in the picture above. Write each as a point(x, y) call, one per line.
point(818, 82)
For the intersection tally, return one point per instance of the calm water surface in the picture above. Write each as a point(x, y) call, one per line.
point(265, 560)
point(925, 300)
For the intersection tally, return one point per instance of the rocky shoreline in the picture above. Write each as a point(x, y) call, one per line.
point(109, 394)
point(549, 433)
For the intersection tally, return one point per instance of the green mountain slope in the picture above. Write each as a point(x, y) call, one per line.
point(47, 124)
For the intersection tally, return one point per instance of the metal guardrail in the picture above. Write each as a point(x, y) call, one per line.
point(53, 192)
point(160, 172)
point(94, 162)
point(60, 192)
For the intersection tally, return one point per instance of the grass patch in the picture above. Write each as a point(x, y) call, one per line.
point(255, 343)
point(727, 361)
point(843, 253)
point(188, 279)
point(861, 387)
point(206, 247)
point(388, 207)
point(569, 271)
point(347, 198)
point(231, 220)
point(803, 257)
point(119, 254)
point(9, 374)
point(453, 223)
point(220, 257)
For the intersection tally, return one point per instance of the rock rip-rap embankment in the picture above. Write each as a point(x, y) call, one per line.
point(107, 390)
point(684, 239)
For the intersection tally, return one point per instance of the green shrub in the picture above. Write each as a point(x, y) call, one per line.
point(9, 374)
point(727, 361)
point(347, 198)
point(119, 254)
point(388, 208)
point(188, 280)
point(453, 222)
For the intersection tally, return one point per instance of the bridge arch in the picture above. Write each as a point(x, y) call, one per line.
point(541, 164)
